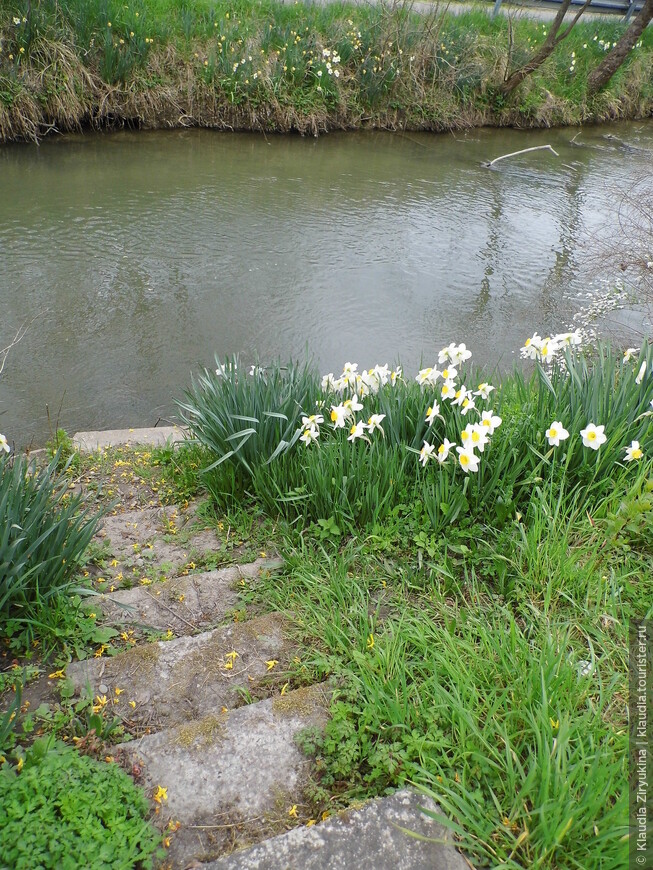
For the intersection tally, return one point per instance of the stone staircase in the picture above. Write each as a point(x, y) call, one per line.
point(215, 723)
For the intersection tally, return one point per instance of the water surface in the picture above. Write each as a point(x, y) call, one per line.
point(143, 254)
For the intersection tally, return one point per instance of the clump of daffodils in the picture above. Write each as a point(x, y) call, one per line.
point(547, 349)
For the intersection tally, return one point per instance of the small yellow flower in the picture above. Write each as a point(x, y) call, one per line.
point(21, 50)
point(92, 616)
point(370, 642)
point(101, 703)
point(99, 652)
point(310, 823)
point(284, 687)
point(56, 675)
point(132, 704)
point(114, 562)
point(19, 766)
point(271, 664)
point(555, 723)
point(292, 812)
point(161, 794)
point(118, 691)
point(263, 554)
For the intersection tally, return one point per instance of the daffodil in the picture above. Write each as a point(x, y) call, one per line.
point(309, 435)
point(349, 372)
point(484, 390)
point(548, 350)
point(339, 416)
point(443, 450)
point(395, 376)
point(556, 433)
point(427, 376)
point(460, 395)
point(531, 347)
point(352, 405)
point(313, 421)
point(3, 444)
point(448, 390)
point(468, 459)
point(374, 422)
point(630, 352)
point(490, 421)
point(474, 436)
point(357, 431)
point(426, 453)
point(641, 373)
point(593, 436)
point(432, 413)
point(458, 354)
point(634, 452)
point(328, 382)
point(449, 373)
point(467, 405)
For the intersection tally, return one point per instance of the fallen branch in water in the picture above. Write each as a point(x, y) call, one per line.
point(491, 163)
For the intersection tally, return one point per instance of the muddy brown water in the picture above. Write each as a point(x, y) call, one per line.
point(143, 254)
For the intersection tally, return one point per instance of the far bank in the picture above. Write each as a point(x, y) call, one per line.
point(271, 67)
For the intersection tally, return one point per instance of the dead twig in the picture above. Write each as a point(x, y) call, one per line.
point(491, 163)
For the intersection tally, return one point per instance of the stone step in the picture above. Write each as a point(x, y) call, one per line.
point(161, 537)
point(182, 603)
point(154, 436)
point(229, 776)
point(372, 837)
point(157, 685)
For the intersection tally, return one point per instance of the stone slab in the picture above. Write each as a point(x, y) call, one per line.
point(161, 684)
point(237, 770)
point(154, 436)
point(182, 604)
point(370, 838)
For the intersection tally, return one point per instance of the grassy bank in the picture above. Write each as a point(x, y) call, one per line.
point(470, 604)
point(265, 66)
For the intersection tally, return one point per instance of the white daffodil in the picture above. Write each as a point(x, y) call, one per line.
point(484, 391)
point(357, 431)
point(458, 354)
point(449, 373)
point(256, 371)
point(371, 381)
point(4, 445)
point(382, 374)
point(571, 339)
point(448, 390)
point(630, 352)
point(443, 450)
point(328, 382)
point(468, 459)
point(474, 437)
point(443, 356)
point(593, 436)
point(490, 421)
point(634, 452)
point(427, 376)
point(374, 422)
point(361, 387)
point(556, 433)
point(352, 405)
point(531, 347)
point(426, 452)
point(460, 395)
point(349, 373)
point(432, 413)
point(309, 435)
point(395, 376)
point(313, 421)
point(548, 350)
point(467, 404)
point(339, 416)
point(641, 373)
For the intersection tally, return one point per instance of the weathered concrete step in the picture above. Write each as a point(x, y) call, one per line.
point(229, 775)
point(154, 436)
point(370, 838)
point(140, 539)
point(183, 603)
point(157, 685)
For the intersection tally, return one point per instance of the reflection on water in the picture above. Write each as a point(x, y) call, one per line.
point(145, 253)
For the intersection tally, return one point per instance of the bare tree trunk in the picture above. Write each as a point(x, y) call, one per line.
point(552, 39)
point(600, 76)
